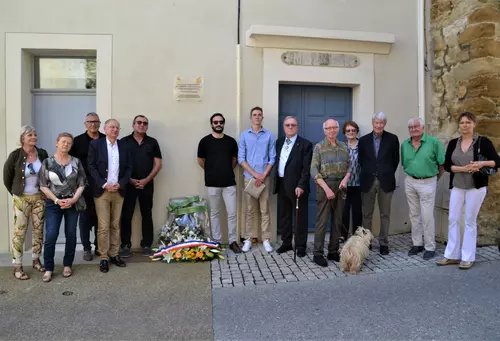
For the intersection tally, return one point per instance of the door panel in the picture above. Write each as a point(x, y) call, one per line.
point(312, 105)
point(54, 113)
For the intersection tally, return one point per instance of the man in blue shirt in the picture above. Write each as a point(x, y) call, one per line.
point(257, 154)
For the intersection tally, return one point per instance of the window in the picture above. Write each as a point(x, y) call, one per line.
point(65, 73)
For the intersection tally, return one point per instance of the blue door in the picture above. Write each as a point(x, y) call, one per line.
point(312, 105)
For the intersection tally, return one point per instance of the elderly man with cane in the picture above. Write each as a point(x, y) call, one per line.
point(330, 168)
point(291, 183)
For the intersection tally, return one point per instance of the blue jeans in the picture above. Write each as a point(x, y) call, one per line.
point(53, 218)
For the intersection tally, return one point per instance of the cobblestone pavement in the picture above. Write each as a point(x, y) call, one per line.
point(257, 267)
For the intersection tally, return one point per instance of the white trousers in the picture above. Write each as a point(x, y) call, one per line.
point(421, 197)
point(215, 196)
point(473, 199)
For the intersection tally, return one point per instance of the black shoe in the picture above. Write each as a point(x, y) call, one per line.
point(370, 247)
point(429, 255)
point(384, 250)
point(104, 266)
point(284, 248)
point(146, 251)
point(415, 250)
point(301, 252)
point(335, 256)
point(235, 247)
point(320, 260)
point(117, 261)
point(125, 252)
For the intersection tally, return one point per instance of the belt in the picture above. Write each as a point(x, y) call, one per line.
point(417, 178)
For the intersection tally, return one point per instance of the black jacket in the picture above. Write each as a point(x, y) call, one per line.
point(297, 168)
point(487, 150)
point(98, 165)
point(383, 167)
point(13, 170)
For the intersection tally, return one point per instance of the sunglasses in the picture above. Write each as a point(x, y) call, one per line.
point(32, 170)
point(93, 122)
point(218, 122)
point(144, 123)
point(290, 125)
point(350, 131)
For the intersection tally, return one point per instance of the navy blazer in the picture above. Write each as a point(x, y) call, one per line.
point(297, 168)
point(97, 161)
point(383, 166)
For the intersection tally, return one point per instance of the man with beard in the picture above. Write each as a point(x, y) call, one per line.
point(146, 163)
point(80, 150)
point(218, 155)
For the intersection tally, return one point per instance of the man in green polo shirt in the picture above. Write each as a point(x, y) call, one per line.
point(422, 158)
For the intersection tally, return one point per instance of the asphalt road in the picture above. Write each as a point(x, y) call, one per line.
point(144, 301)
point(419, 304)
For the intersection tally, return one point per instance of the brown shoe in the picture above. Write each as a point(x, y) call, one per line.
point(465, 265)
point(235, 247)
point(446, 261)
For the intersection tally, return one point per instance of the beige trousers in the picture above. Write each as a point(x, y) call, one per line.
point(263, 204)
point(109, 209)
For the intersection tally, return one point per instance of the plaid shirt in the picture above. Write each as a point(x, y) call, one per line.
point(329, 161)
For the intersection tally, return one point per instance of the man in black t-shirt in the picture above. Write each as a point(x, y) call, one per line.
point(218, 155)
point(146, 163)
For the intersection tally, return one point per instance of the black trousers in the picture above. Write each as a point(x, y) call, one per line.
point(352, 202)
point(286, 217)
point(88, 219)
point(145, 197)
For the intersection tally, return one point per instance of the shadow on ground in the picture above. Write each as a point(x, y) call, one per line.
point(144, 301)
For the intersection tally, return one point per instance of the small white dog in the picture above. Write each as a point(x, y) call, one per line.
point(355, 250)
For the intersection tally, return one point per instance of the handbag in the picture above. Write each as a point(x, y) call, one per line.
point(486, 170)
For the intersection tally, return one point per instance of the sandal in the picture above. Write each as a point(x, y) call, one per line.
point(47, 277)
point(67, 272)
point(38, 266)
point(20, 274)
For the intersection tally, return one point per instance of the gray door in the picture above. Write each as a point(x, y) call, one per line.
point(312, 105)
point(55, 112)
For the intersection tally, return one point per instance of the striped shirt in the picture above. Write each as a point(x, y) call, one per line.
point(330, 162)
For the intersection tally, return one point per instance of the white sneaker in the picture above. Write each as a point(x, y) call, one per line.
point(247, 245)
point(267, 245)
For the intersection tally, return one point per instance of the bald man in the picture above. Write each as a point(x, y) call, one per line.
point(330, 169)
point(110, 167)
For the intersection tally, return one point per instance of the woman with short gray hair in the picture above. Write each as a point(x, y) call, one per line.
point(20, 177)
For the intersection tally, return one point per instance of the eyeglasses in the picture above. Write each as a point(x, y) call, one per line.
point(218, 122)
point(290, 125)
point(94, 122)
point(32, 170)
point(331, 128)
point(145, 123)
point(350, 131)
point(413, 127)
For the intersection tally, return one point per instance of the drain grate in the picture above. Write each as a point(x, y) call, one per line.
point(67, 293)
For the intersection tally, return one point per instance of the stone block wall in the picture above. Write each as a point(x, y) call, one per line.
point(466, 77)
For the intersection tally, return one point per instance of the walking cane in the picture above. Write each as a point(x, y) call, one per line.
point(295, 232)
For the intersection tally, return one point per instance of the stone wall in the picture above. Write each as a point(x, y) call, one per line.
point(466, 77)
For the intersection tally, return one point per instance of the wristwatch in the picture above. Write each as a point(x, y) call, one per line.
point(55, 201)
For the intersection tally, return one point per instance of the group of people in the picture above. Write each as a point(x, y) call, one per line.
point(97, 178)
point(92, 178)
point(350, 177)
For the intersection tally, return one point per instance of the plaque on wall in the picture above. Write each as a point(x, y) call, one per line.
point(320, 59)
point(187, 89)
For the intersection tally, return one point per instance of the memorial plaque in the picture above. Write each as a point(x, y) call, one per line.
point(188, 89)
point(320, 59)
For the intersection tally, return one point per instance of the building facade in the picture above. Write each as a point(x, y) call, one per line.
point(316, 59)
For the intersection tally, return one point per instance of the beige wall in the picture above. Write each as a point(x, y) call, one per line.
point(155, 41)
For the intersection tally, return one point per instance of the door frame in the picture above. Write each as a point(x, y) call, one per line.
point(20, 49)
